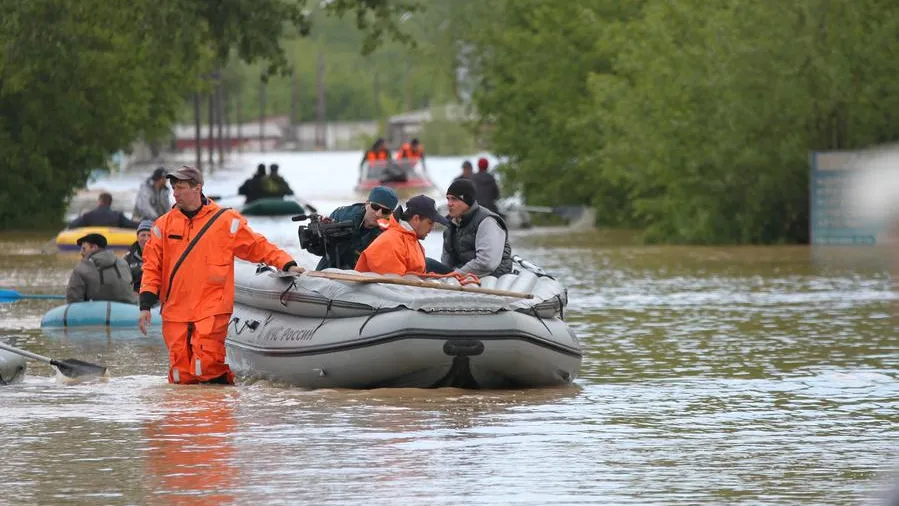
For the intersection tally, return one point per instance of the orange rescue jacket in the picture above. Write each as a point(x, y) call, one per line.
point(204, 284)
point(374, 156)
point(396, 251)
point(406, 151)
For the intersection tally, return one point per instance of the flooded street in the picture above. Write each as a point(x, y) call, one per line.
point(753, 375)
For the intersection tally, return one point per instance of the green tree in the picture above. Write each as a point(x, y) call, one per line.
point(528, 64)
point(690, 118)
point(715, 109)
point(82, 80)
point(77, 86)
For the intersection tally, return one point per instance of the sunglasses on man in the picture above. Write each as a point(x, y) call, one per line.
point(378, 208)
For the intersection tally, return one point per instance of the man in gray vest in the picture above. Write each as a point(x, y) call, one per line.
point(101, 275)
point(477, 239)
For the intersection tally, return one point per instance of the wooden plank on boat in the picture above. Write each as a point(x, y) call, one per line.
point(361, 278)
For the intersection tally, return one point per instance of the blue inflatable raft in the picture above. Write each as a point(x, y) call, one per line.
point(96, 314)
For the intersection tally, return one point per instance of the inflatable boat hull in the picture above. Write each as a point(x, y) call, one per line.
point(12, 368)
point(119, 239)
point(402, 349)
point(96, 314)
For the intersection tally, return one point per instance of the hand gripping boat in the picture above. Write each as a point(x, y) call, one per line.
point(316, 332)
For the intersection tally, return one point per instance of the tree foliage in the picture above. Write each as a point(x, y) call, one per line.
point(402, 74)
point(82, 80)
point(690, 118)
point(77, 86)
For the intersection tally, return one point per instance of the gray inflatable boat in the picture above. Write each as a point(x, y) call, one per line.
point(12, 367)
point(322, 333)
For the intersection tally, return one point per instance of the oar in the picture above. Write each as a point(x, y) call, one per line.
point(357, 278)
point(69, 367)
point(8, 294)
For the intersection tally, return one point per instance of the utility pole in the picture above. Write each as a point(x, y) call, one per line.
point(294, 107)
point(198, 136)
point(320, 141)
point(262, 115)
point(225, 116)
point(219, 120)
point(407, 90)
point(238, 116)
point(210, 109)
point(377, 97)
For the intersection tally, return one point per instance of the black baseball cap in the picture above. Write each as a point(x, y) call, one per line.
point(425, 207)
point(95, 239)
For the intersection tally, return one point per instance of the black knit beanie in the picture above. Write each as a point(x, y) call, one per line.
point(462, 189)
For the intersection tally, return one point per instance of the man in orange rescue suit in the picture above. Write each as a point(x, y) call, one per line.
point(412, 151)
point(397, 250)
point(377, 153)
point(189, 269)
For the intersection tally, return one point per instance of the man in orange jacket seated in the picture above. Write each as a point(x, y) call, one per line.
point(189, 269)
point(377, 153)
point(397, 250)
point(411, 151)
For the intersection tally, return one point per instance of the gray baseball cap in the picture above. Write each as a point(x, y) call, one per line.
point(186, 173)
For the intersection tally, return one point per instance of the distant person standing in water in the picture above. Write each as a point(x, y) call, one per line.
point(153, 197)
point(467, 171)
point(251, 189)
point(486, 189)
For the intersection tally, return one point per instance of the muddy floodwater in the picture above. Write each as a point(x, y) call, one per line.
point(744, 375)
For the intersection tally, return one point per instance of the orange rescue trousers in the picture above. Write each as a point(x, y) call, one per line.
point(197, 350)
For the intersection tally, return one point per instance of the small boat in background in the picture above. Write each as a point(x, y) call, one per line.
point(408, 178)
point(116, 238)
point(272, 206)
point(96, 313)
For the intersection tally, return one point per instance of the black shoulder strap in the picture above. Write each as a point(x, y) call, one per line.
point(190, 247)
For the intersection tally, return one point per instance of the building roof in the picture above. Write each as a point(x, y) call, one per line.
point(452, 112)
point(272, 128)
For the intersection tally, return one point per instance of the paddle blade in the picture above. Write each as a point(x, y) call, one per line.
point(6, 294)
point(74, 368)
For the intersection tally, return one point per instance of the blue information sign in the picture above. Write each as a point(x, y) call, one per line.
point(835, 216)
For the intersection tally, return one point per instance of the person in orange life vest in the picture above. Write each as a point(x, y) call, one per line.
point(192, 447)
point(196, 286)
point(377, 153)
point(397, 250)
point(412, 151)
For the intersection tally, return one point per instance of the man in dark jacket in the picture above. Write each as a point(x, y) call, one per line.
point(252, 188)
point(100, 275)
point(466, 171)
point(477, 239)
point(103, 216)
point(485, 186)
point(135, 256)
point(364, 217)
point(274, 185)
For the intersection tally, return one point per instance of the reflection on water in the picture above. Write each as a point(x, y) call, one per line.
point(190, 454)
point(711, 376)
